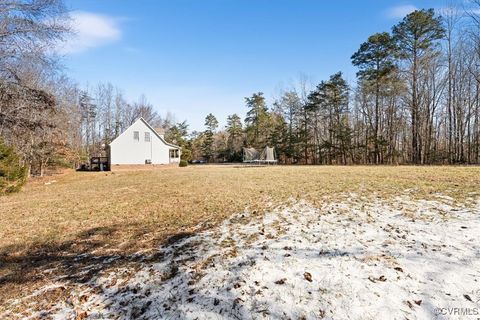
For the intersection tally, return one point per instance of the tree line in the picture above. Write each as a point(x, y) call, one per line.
point(416, 100)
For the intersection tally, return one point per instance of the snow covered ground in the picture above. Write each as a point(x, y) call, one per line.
point(355, 258)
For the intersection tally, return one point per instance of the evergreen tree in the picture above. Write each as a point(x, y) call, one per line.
point(12, 174)
point(416, 37)
point(278, 136)
point(177, 134)
point(335, 95)
point(235, 137)
point(256, 120)
point(211, 125)
point(315, 115)
point(375, 59)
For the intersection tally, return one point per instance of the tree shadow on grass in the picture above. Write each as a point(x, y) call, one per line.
point(83, 260)
point(74, 262)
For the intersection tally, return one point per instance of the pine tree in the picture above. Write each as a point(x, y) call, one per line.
point(278, 136)
point(256, 120)
point(335, 94)
point(177, 134)
point(235, 137)
point(416, 36)
point(315, 110)
point(375, 59)
point(211, 125)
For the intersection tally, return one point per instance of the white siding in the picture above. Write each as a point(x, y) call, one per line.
point(126, 150)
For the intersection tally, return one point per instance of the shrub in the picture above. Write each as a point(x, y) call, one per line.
point(186, 154)
point(183, 163)
point(12, 174)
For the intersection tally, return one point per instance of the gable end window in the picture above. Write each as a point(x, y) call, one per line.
point(136, 136)
point(147, 136)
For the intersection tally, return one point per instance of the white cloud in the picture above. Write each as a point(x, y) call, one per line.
point(91, 30)
point(399, 12)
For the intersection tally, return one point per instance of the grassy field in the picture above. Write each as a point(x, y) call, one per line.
point(56, 219)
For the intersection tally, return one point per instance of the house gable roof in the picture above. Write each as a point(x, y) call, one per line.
point(151, 128)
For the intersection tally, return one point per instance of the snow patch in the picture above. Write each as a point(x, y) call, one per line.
point(354, 259)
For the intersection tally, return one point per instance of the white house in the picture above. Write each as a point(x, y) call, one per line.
point(141, 144)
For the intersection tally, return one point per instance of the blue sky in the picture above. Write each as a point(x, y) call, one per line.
point(193, 57)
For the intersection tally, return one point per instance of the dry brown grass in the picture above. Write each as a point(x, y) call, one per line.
point(118, 213)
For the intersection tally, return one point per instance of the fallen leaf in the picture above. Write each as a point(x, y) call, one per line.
point(308, 276)
point(81, 315)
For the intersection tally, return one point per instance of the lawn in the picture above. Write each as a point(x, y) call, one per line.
point(61, 224)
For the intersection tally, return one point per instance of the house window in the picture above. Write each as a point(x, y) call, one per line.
point(136, 135)
point(147, 136)
point(174, 154)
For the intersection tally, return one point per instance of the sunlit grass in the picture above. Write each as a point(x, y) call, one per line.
point(147, 205)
